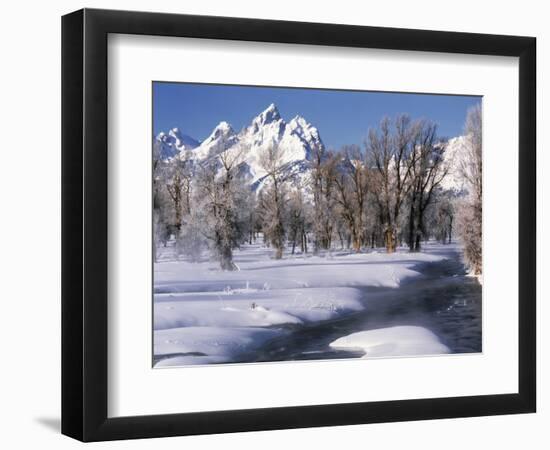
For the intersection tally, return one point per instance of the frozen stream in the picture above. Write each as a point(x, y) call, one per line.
point(442, 299)
point(294, 308)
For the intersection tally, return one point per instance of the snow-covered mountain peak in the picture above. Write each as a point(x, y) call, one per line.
point(175, 133)
point(298, 122)
point(221, 138)
point(306, 132)
point(269, 115)
point(224, 126)
point(222, 129)
point(175, 142)
point(295, 142)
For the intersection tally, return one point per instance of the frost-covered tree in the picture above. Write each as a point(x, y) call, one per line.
point(472, 164)
point(156, 234)
point(222, 207)
point(162, 206)
point(470, 233)
point(254, 225)
point(444, 219)
point(178, 184)
point(192, 239)
point(470, 211)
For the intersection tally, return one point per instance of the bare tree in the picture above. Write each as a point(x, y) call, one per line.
point(351, 190)
point(324, 171)
point(273, 202)
point(359, 179)
point(428, 171)
point(178, 185)
point(444, 220)
point(347, 209)
point(163, 211)
point(297, 220)
point(391, 155)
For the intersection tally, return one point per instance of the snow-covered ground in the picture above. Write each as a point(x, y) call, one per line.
point(204, 315)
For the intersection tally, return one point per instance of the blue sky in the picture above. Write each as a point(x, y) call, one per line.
point(342, 117)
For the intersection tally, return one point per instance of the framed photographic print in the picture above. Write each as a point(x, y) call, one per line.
point(274, 224)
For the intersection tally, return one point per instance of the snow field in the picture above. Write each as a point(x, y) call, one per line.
point(203, 315)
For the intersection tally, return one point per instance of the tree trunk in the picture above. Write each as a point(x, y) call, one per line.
point(177, 207)
point(417, 242)
point(419, 225)
point(411, 228)
point(389, 237)
point(226, 259)
point(355, 239)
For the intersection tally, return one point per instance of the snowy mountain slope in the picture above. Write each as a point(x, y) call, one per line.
point(222, 138)
point(454, 157)
point(296, 141)
point(174, 142)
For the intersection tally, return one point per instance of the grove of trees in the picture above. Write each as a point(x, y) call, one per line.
point(386, 193)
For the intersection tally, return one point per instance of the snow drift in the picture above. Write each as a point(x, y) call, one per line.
point(393, 341)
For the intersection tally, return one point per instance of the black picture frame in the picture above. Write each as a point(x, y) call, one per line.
point(84, 224)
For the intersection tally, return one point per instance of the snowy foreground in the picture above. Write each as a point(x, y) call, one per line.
point(203, 315)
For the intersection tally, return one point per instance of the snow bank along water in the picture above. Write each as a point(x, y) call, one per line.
point(203, 315)
point(393, 341)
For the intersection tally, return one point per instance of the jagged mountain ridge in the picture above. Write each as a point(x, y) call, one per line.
point(296, 139)
point(174, 142)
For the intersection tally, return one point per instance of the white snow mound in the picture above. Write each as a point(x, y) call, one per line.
point(393, 341)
